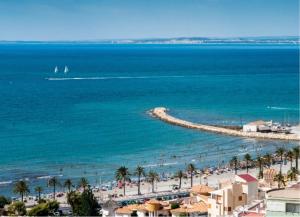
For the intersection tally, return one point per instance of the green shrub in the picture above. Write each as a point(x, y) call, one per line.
point(4, 201)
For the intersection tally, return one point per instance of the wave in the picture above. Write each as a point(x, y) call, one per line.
point(162, 164)
point(282, 108)
point(110, 78)
point(48, 176)
point(6, 182)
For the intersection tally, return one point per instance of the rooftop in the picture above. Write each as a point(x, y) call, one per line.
point(287, 193)
point(247, 178)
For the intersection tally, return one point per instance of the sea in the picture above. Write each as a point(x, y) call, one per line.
point(95, 118)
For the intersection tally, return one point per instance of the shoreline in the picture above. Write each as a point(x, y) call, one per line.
point(161, 113)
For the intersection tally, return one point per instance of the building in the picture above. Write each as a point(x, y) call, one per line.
point(250, 186)
point(152, 208)
point(283, 202)
point(108, 208)
point(191, 209)
point(225, 200)
point(258, 126)
point(243, 190)
point(201, 192)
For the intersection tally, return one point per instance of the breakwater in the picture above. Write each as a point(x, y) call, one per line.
point(161, 113)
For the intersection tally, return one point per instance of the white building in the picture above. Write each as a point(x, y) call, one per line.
point(257, 126)
point(250, 186)
point(283, 202)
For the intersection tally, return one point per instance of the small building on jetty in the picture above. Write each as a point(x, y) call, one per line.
point(257, 126)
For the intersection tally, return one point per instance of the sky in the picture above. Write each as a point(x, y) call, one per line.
point(47, 20)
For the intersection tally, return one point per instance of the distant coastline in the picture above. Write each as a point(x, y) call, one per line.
point(175, 40)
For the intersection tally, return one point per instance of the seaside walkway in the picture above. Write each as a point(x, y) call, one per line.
point(161, 113)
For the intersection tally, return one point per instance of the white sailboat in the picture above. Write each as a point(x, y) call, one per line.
point(66, 70)
point(55, 69)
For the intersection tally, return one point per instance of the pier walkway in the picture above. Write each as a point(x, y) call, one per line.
point(161, 113)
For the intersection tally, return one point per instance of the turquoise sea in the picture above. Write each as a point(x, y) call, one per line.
point(94, 119)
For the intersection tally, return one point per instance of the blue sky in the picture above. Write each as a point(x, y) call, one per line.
point(115, 19)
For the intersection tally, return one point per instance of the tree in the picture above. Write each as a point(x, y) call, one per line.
point(279, 178)
point(152, 177)
point(21, 188)
point(290, 156)
point(296, 151)
point(83, 204)
point(89, 204)
point(179, 175)
point(234, 162)
point(139, 171)
point(248, 159)
point(53, 182)
point(44, 209)
point(260, 163)
point(191, 169)
point(4, 201)
point(68, 184)
point(292, 174)
point(83, 183)
point(268, 159)
point(17, 209)
point(280, 152)
point(122, 174)
point(38, 190)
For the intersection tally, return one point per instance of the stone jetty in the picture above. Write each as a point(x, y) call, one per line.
point(161, 113)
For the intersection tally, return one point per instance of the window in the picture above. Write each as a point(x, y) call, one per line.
point(293, 207)
point(240, 198)
point(229, 209)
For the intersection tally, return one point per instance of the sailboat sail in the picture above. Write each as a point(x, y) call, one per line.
point(55, 69)
point(66, 70)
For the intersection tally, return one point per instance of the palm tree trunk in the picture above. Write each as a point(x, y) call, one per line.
point(39, 195)
point(235, 168)
point(54, 191)
point(191, 179)
point(297, 162)
point(247, 166)
point(291, 163)
point(22, 197)
point(124, 185)
point(179, 182)
point(280, 164)
point(152, 187)
point(139, 185)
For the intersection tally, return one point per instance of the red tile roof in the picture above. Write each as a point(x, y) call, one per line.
point(248, 178)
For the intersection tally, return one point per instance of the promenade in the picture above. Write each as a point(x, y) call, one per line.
point(161, 113)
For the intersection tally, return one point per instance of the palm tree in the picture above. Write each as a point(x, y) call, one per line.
point(248, 159)
point(21, 188)
point(122, 174)
point(152, 177)
point(139, 171)
point(68, 184)
point(279, 178)
point(260, 163)
point(53, 182)
point(268, 159)
point(83, 183)
point(179, 175)
point(191, 169)
point(39, 190)
point(292, 174)
point(234, 161)
point(296, 151)
point(280, 152)
point(290, 156)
